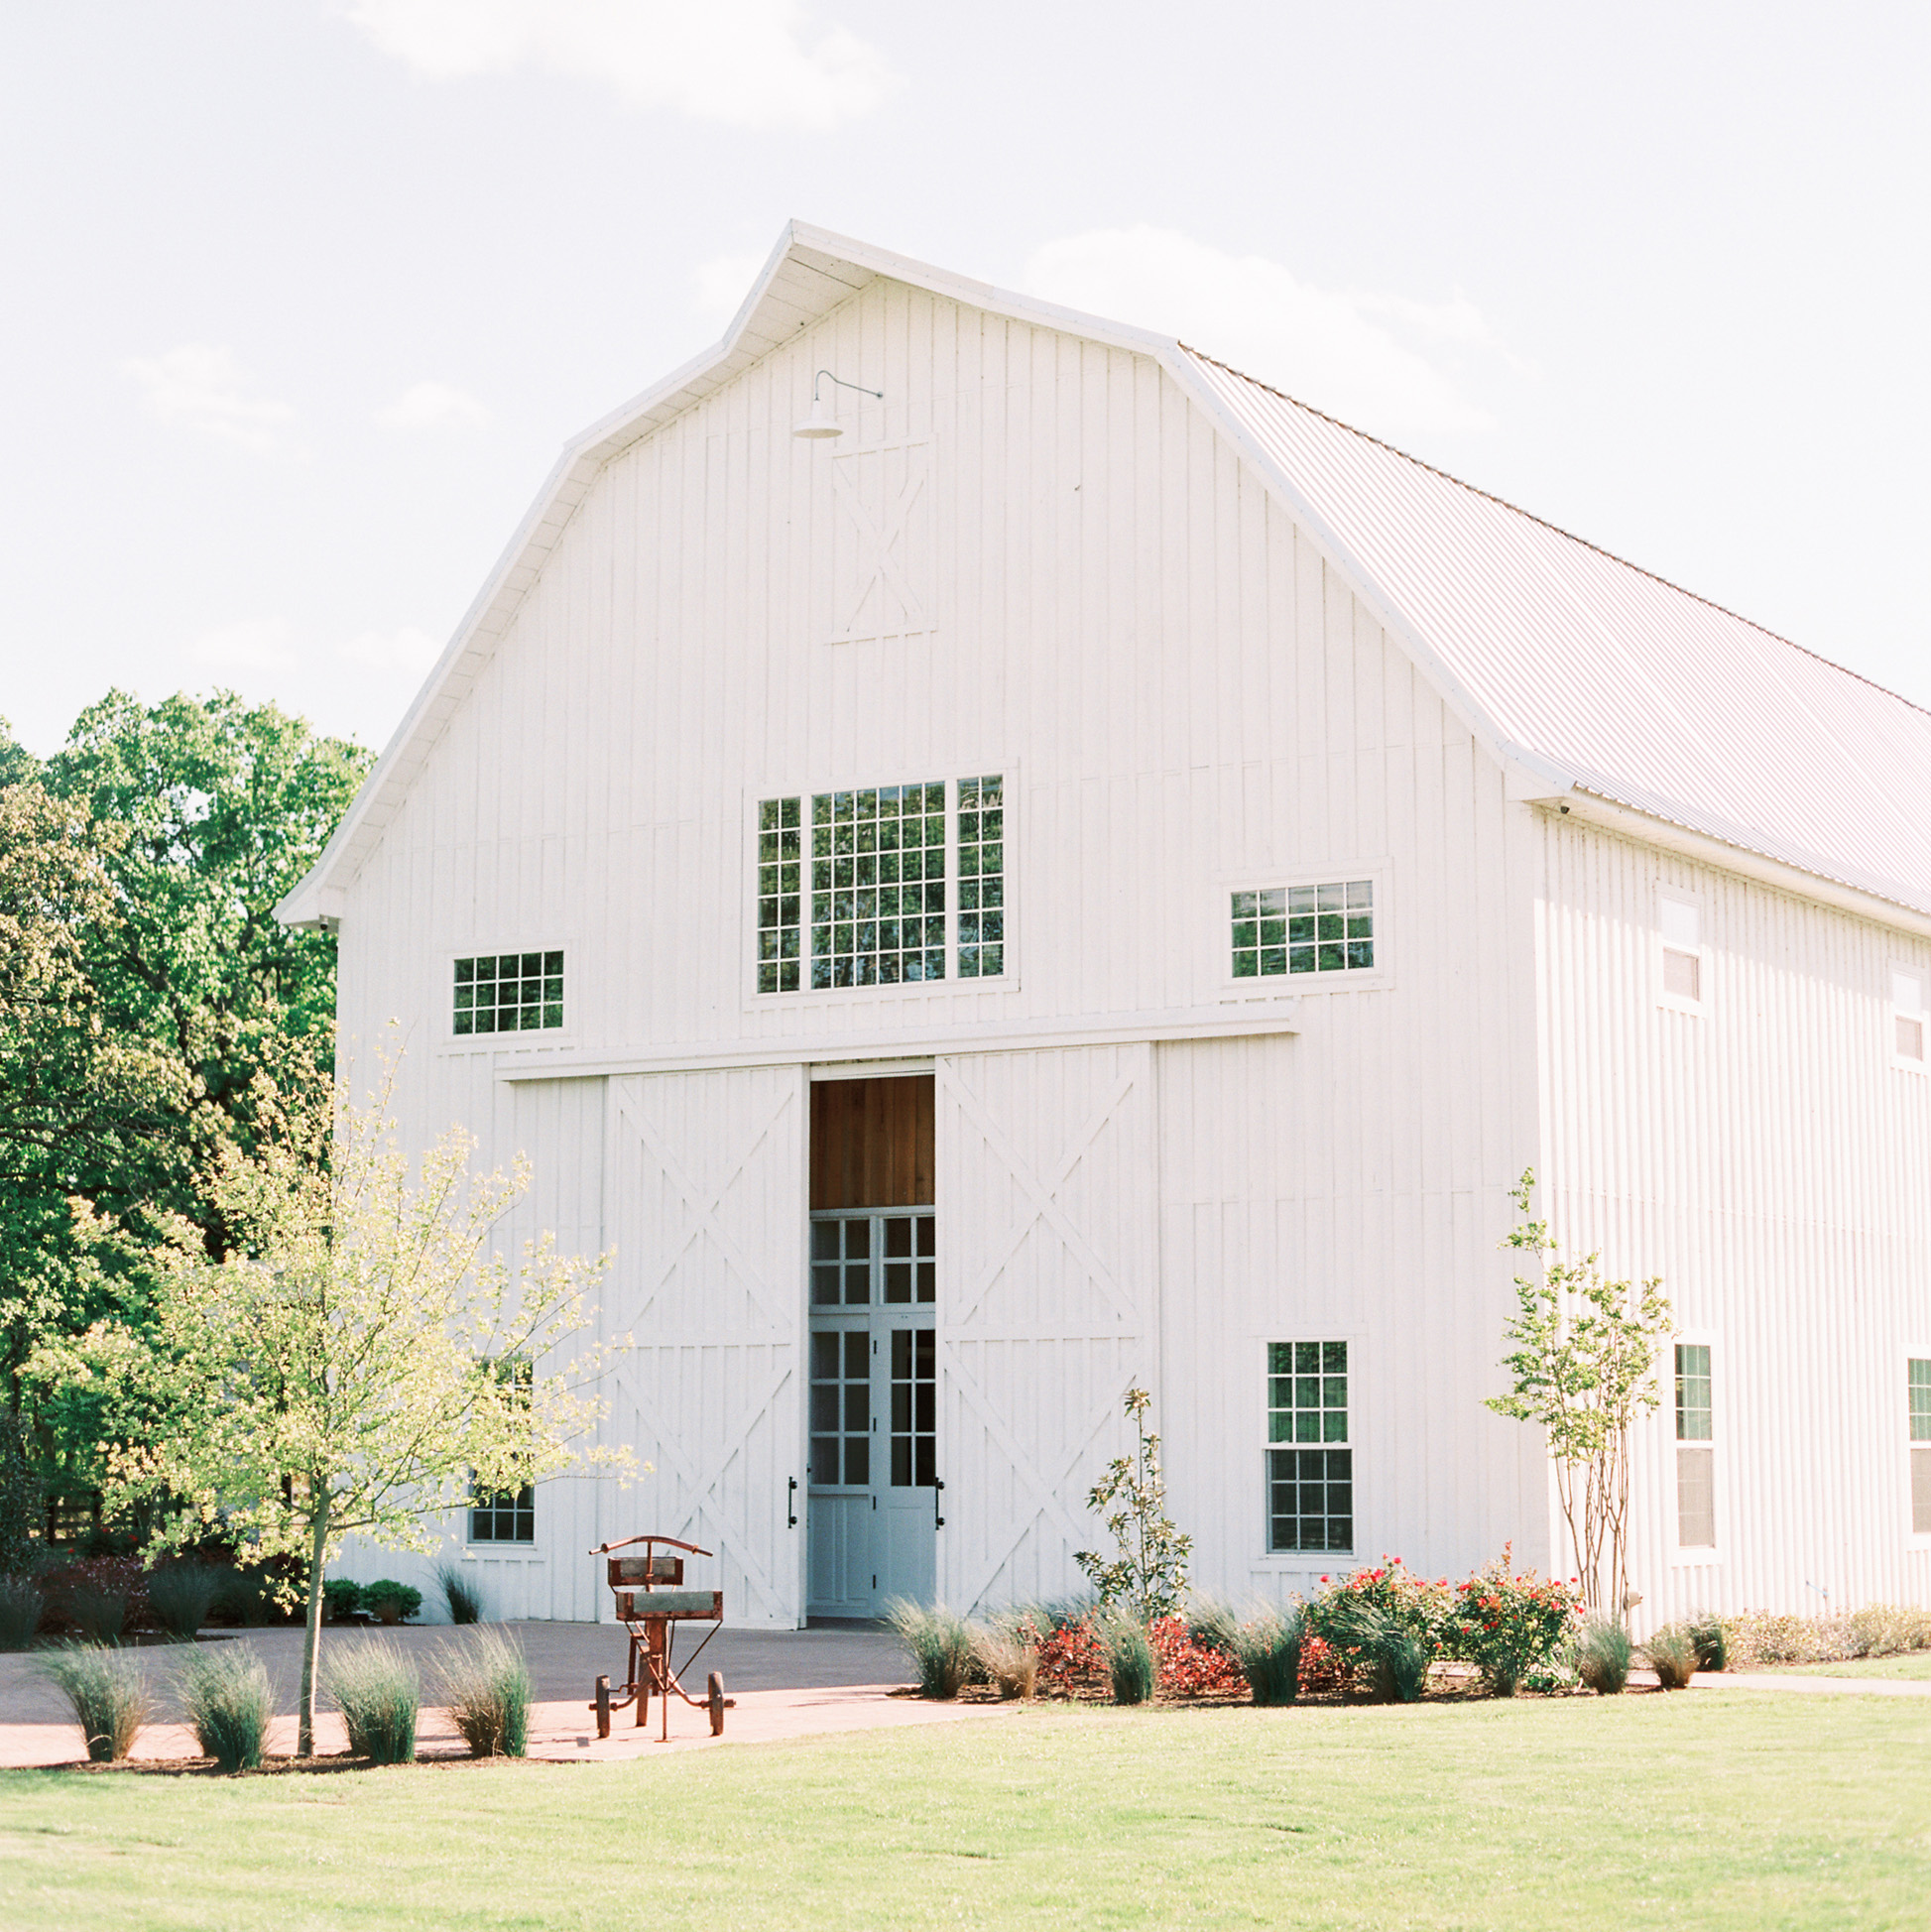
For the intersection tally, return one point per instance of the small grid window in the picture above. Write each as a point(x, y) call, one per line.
point(509, 992)
point(878, 886)
point(781, 858)
point(982, 878)
point(841, 1261)
point(841, 1405)
point(1304, 929)
point(507, 1516)
point(1918, 1382)
point(1310, 1467)
point(1907, 1016)
point(1696, 1503)
point(914, 1408)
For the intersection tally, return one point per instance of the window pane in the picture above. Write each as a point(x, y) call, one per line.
point(509, 993)
point(1328, 928)
point(1696, 1509)
point(1919, 1379)
point(1310, 1490)
point(1693, 1405)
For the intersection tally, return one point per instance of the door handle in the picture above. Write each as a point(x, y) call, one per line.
point(938, 1521)
point(790, 1505)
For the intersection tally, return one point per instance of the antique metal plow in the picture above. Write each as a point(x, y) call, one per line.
point(650, 1601)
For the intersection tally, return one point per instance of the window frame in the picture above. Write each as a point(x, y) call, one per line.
point(1266, 1557)
point(1700, 952)
point(1276, 986)
point(1694, 1555)
point(448, 1041)
point(1894, 1012)
point(952, 773)
point(487, 1545)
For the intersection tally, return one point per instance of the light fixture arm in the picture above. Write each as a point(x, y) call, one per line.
point(822, 374)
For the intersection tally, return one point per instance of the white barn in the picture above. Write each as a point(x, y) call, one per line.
point(1095, 873)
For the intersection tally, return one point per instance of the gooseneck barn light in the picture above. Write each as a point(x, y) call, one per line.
point(819, 424)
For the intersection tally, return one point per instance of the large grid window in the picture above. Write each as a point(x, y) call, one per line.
point(1696, 1501)
point(878, 886)
point(506, 1516)
point(509, 991)
point(780, 857)
point(1326, 928)
point(1310, 1467)
point(1918, 1381)
point(982, 878)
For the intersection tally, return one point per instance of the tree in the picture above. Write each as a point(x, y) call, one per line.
point(357, 1364)
point(1584, 1367)
point(1149, 1573)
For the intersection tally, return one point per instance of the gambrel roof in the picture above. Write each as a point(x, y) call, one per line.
point(1590, 679)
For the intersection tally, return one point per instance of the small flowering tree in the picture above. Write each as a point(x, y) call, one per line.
point(1584, 1367)
point(1148, 1576)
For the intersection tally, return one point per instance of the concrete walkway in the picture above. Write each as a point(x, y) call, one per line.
point(786, 1683)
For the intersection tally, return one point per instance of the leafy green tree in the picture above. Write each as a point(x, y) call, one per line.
point(1583, 1366)
point(1149, 1575)
point(357, 1361)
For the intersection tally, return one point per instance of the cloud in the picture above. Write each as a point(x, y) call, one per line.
point(743, 62)
point(1371, 359)
point(403, 653)
point(205, 389)
point(723, 282)
point(254, 644)
point(433, 406)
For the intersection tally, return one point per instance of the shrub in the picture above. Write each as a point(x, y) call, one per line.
point(1509, 1624)
point(98, 1615)
point(1130, 1664)
point(1885, 1629)
point(182, 1596)
point(1602, 1655)
point(485, 1683)
point(1189, 1667)
point(1007, 1650)
point(1383, 1625)
point(21, 1605)
point(1712, 1648)
point(107, 1693)
point(248, 1596)
point(20, 1499)
point(1071, 1661)
point(343, 1597)
point(228, 1701)
point(386, 1590)
point(376, 1689)
point(462, 1593)
point(1671, 1654)
point(938, 1644)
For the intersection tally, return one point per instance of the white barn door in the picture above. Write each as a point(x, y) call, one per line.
point(707, 1194)
point(1048, 1256)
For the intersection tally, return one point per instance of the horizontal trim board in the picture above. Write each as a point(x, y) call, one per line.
point(1208, 1022)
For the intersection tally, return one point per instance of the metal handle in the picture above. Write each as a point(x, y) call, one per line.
point(938, 1521)
point(790, 1505)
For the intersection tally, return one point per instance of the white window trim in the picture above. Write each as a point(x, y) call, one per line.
point(1894, 1013)
point(1675, 1002)
point(1261, 879)
point(1336, 1562)
point(543, 1039)
point(1695, 1556)
point(807, 999)
point(1913, 1539)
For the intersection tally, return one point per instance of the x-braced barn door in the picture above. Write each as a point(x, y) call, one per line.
point(707, 1194)
point(1047, 1169)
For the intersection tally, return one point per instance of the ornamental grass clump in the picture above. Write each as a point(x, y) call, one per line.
point(1671, 1654)
point(1006, 1653)
point(1510, 1626)
point(1712, 1646)
point(1602, 1655)
point(21, 1605)
point(1266, 1650)
point(1131, 1664)
point(938, 1644)
point(228, 1701)
point(461, 1591)
point(106, 1691)
point(376, 1688)
point(1381, 1629)
point(484, 1682)
point(182, 1596)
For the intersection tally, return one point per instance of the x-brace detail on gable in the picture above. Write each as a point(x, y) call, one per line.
point(881, 562)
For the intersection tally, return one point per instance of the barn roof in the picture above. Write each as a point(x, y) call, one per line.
point(1586, 677)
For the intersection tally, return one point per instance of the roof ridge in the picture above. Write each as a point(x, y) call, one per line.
point(1569, 535)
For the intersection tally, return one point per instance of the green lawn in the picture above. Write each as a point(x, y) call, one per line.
point(1916, 1667)
point(1747, 1810)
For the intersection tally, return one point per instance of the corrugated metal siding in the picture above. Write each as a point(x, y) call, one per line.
point(1649, 695)
point(1766, 1158)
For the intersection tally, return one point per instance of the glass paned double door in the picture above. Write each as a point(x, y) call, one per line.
point(873, 1504)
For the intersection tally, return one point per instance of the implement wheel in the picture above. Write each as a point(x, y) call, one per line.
point(716, 1702)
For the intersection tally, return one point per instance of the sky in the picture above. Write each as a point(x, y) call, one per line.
point(298, 301)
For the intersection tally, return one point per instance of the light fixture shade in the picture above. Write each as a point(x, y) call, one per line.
point(819, 426)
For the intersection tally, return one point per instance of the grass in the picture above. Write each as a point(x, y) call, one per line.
point(1915, 1669)
point(1740, 1810)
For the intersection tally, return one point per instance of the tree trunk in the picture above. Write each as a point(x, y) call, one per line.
point(305, 1743)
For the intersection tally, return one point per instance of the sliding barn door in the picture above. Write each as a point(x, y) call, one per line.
point(1048, 1264)
point(706, 1193)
